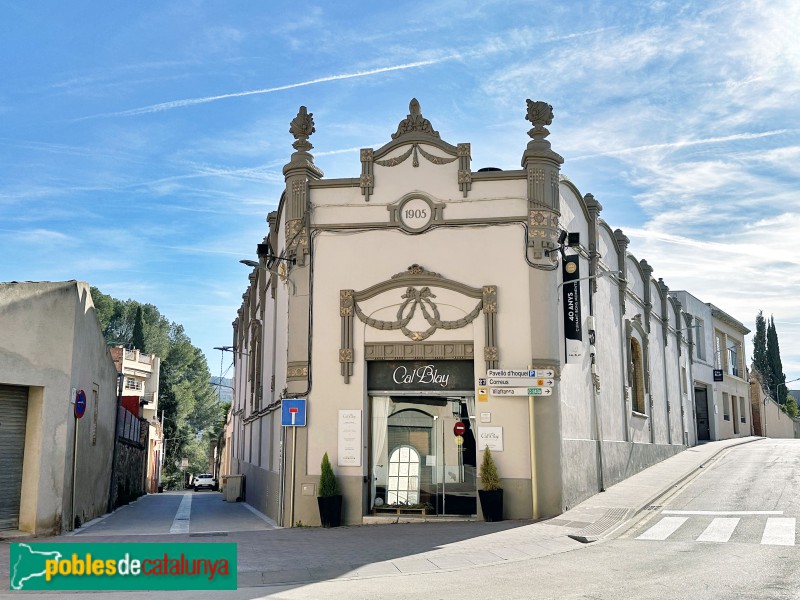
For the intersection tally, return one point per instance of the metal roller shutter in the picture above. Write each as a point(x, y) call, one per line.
point(13, 416)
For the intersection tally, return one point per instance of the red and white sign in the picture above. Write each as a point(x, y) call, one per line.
point(459, 428)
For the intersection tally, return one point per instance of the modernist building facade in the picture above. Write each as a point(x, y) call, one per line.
point(407, 306)
point(56, 467)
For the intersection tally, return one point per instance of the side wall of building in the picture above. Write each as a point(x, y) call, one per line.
point(52, 345)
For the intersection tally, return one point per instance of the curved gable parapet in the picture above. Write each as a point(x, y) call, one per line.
point(605, 228)
point(635, 285)
point(566, 184)
point(608, 247)
point(415, 133)
point(675, 313)
point(411, 139)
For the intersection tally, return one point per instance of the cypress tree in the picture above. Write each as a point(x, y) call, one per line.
point(760, 361)
point(137, 339)
point(775, 367)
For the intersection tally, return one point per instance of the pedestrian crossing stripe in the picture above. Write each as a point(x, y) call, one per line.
point(778, 531)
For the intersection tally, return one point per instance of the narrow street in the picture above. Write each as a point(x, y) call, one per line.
point(195, 513)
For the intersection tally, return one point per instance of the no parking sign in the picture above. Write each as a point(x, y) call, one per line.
point(80, 404)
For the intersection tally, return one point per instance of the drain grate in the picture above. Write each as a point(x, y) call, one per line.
point(209, 534)
point(606, 522)
point(653, 507)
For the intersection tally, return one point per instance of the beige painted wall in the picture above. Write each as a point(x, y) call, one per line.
point(52, 344)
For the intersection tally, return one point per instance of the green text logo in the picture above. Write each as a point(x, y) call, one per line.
point(123, 566)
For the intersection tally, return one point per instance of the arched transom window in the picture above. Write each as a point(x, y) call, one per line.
point(403, 485)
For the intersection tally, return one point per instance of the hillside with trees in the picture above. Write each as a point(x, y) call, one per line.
point(193, 413)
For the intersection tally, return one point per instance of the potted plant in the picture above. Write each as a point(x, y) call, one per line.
point(329, 499)
point(491, 494)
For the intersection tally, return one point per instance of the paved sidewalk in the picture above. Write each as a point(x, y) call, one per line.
point(380, 550)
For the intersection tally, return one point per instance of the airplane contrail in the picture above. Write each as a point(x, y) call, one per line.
point(192, 101)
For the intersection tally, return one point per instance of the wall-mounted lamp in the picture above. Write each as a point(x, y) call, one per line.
point(565, 240)
point(264, 251)
point(231, 349)
point(281, 272)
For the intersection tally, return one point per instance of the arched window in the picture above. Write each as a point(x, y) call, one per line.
point(637, 383)
point(403, 485)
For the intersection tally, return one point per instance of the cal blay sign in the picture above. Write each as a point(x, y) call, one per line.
point(412, 375)
point(427, 374)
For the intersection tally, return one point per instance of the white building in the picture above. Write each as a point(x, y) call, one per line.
point(140, 399)
point(720, 383)
point(387, 299)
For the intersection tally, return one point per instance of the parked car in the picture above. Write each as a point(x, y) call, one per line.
point(205, 480)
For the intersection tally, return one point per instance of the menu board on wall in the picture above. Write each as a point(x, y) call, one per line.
point(350, 438)
point(490, 437)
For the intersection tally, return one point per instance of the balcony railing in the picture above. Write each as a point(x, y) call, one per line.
point(134, 384)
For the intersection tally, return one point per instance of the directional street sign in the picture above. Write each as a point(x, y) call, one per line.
point(520, 382)
point(521, 391)
point(506, 373)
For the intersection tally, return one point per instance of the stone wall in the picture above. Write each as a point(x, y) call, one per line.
point(129, 474)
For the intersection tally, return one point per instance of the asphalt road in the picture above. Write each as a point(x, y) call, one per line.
point(202, 512)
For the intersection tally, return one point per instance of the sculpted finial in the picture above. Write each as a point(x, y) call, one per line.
point(414, 122)
point(301, 127)
point(539, 114)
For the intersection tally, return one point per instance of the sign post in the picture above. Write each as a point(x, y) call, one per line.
point(532, 427)
point(293, 414)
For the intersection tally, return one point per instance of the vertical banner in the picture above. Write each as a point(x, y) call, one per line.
point(573, 329)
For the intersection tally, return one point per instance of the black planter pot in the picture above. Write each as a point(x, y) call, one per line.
point(330, 510)
point(491, 504)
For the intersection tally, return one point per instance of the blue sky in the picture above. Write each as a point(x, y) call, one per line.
point(141, 144)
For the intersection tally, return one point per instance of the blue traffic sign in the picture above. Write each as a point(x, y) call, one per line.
point(293, 412)
point(80, 404)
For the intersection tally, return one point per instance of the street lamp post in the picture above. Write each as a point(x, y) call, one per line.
point(778, 388)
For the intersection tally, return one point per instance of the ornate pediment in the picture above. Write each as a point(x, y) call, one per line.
point(414, 139)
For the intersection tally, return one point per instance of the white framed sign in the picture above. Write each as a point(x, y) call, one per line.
point(350, 438)
point(490, 437)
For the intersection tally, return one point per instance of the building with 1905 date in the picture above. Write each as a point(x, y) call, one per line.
point(423, 310)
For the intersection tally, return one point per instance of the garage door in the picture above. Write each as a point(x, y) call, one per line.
point(13, 414)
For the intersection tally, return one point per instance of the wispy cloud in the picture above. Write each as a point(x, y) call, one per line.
point(738, 137)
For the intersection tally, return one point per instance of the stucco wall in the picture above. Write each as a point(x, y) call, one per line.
point(52, 343)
